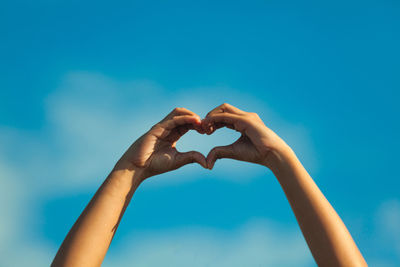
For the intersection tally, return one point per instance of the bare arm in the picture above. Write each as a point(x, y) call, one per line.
point(88, 240)
point(327, 237)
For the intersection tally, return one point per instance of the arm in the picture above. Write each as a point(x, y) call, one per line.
point(327, 237)
point(88, 240)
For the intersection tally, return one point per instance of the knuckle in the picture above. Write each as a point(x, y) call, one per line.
point(217, 151)
point(212, 152)
point(253, 114)
point(225, 105)
point(156, 126)
point(180, 110)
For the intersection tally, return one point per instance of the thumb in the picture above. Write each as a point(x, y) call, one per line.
point(220, 152)
point(183, 158)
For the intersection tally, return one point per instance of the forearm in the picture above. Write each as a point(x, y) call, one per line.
point(327, 237)
point(88, 240)
point(153, 153)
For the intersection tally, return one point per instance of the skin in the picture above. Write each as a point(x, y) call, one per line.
point(154, 153)
point(327, 237)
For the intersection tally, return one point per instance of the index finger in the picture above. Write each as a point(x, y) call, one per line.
point(178, 112)
point(225, 108)
point(229, 120)
point(181, 120)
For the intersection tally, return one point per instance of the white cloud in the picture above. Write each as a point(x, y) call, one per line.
point(16, 219)
point(382, 235)
point(388, 217)
point(91, 120)
point(256, 243)
point(11, 204)
point(388, 224)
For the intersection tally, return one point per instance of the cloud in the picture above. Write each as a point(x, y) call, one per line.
point(382, 235)
point(11, 203)
point(388, 224)
point(91, 119)
point(16, 246)
point(258, 242)
point(388, 218)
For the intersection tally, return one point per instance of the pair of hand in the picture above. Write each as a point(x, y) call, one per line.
point(155, 152)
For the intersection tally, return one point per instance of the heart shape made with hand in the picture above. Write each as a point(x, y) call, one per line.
point(156, 150)
point(203, 143)
point(253, 145)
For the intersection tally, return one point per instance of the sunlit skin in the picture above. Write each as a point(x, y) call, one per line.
point(154, 153)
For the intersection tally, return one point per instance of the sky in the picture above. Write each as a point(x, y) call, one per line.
point(82, 80)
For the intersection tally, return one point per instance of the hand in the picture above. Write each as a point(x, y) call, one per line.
point(155, 153)
point(257, 144)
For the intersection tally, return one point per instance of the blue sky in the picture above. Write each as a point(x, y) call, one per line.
point(80, 81)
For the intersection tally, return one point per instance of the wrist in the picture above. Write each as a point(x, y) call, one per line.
point(278, 158)
point(286, 163)
point(129, 171)
point(120, 184)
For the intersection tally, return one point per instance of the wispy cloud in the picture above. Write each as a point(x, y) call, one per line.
point(387, 220)
point(256, 243)
point(18, 244)
point(93, 119)
point(90, 120)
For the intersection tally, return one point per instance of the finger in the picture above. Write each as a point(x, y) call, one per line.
point(219, 125)
point(183, 158)
point(226, 108)
point(181, 120)
point(185, 111)
point(178, 112)
point(181, 130)
point(220, 152)
point(174, 135)
point(211, 128)
point(222, 109)
point(196, 127)
point(223, 119)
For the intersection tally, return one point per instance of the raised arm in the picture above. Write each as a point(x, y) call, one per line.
point(327, 237)
point(153, 153)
